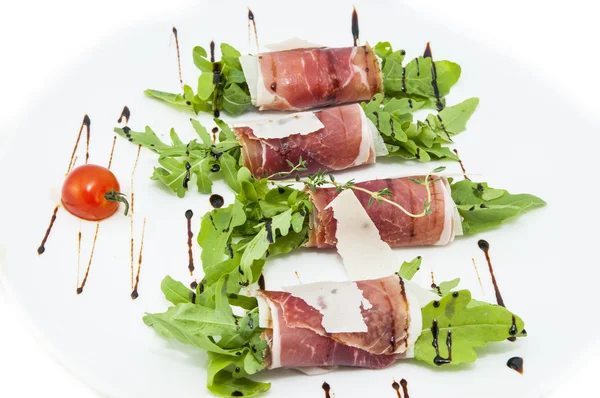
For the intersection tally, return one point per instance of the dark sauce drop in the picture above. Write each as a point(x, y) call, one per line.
point(403, 79)
point(377, 119)
point(326, 387)
point(485, 247)
point(188, 215)
point(269, 229)
point(216, 201)
point(404, 385)
point(434, 85)
point(396, 387)
point(261, 281)
point(193, 285)
point(438, 360)
point(186, 179)
point(237, 394)
point(215, 168)
point(516, 363)
point(355, 27)
point(42, 247)
point(124, 114)
point(252, 20)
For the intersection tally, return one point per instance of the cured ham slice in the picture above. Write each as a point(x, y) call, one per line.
point(299, 335)
point(346, 139)
point(306, 78)
point(395, 227)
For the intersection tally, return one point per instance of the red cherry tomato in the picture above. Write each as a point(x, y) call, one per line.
point(92, 192)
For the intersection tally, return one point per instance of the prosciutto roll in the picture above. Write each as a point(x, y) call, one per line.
point(395, 227)
point(330, 139)
point(306, 78)
point(367, 324)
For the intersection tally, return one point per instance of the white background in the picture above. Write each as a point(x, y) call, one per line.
point(557, 40)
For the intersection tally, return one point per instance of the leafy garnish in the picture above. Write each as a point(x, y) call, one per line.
point(482, 207)
point(235, 348)
point(469, 327)
point(414, 79)
point(199, 162)
point(221, 85)
point(261, 222)
point(424, 141)
point(410, 268)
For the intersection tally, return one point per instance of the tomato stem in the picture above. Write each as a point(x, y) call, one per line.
point(114, 196)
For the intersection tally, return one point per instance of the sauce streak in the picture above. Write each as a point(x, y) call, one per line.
point(269, 229)
point(326, 388)
point(251, 19)
point(485, 247)
point(355, 26)
point(434, 286)
point(261, 282)
point(434, 85)
point(438, 360)
point(188, 215)
point(85, 123)
point(42, 248)
point(404, 80)
point(188, 176)
point(125, 113)
point(516, 363)
point(439, 118)
point(404, 385)
point(216, 201)
point(406, 309)
point(134, 293)
point(178, 56)
point(215, 130)
point(112, 152)
point(87, 271)
point(462, 167)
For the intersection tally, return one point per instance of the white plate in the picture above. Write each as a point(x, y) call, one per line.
point(520, 138)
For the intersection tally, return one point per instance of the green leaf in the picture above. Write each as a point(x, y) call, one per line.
point(201, 61)
point(176, 292)
point(177, 100)
point(229, 169)
point(216, 228)
point(482, 207)
point(410, 268)
point(236, 100)
point(470, 327)
point(205, 86)
point(452, 120)
point(445, 288)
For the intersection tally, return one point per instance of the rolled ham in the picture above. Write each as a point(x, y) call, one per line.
point(301, 332)
point(395, 227)
point(306, 78)
point(330, 139)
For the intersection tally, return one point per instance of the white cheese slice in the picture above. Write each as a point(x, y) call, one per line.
point(447, 234)
point(378, 144)
point(250, 69)
point(291, 44)
point(340, 304)
point(302, 123)
point(364, 254)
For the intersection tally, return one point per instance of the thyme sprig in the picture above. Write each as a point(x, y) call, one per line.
point(324, 178)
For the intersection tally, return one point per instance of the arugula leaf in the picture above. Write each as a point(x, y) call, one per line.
point(413, 80)
point(239, 349)
point(424, 141)
point(482, 207)
point(470, 327)
point(181, 163)
point(221, 85)
point(410, 268)
point(446, 287)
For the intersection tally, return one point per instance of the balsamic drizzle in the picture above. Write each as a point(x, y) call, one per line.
point(87, 271)
point(42, 247)
point(216, 201)
point(417, 65)
point(269, 229)
point(513, 330)
point(251, 19)
point(438, 360)
point(404, 385)
point(439, 118)
point(125, 113)
point(326, 387)
point(112, 151)
point(377, 119)
point(393, 134)
point(188, 215)
point(355, 26)
point(434, 286)
point(434, 85)
point(406, 309)
point(186, 179)
point(178, 56)
point(261, 281)
point(85, 123)
point(404, 80)
point(516, 363)
point(216, 80)
point(134, 293)
point(461, 165)
point(485, 247)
